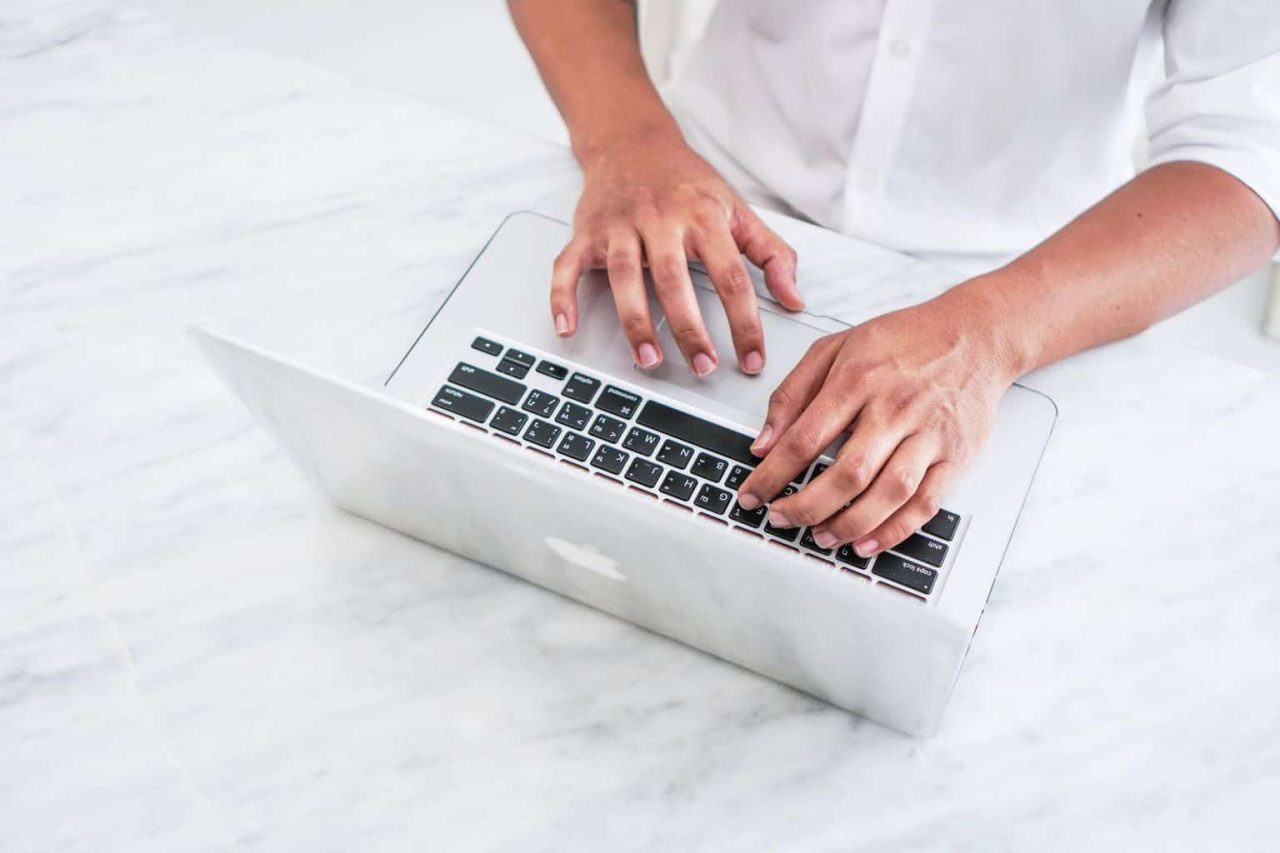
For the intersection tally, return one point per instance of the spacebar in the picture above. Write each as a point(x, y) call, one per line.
point(704, 434)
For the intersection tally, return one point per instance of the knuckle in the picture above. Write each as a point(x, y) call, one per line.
point(708, 214)
point(735, 282)
point(623, 264)
point(928, 504)
point(780, 398)
point(804, 441)
point(850, 477)
point(685, 330)
point(898, 485)
point(667, 269)
point(635, 326)
point(849, 373)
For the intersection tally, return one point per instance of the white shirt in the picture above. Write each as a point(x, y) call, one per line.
point(976, 128)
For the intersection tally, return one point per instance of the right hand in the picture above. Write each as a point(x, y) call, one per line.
point(662, 205)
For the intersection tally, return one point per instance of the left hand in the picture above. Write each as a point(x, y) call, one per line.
point(916, 390)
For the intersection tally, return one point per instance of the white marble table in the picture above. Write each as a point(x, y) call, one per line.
point(197, 653)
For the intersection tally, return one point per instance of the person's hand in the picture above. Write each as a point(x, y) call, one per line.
point(658, 203)
point(916, 390)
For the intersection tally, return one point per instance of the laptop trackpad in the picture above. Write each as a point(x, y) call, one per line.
point(786, 337)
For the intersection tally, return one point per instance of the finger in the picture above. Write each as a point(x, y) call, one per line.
point(670, 270)
point(824, 419)
point(565, 273)
point(626, 280)
point(894, 485)
point(921, 507)
point(795, 392)
point(858, 470)
point(764, 248)
point(728, 273)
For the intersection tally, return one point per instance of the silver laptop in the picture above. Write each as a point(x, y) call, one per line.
point(559, 462)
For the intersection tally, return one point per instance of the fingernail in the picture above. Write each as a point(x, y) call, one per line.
point(647, 355)
point(702, 364)
point(753, 363)
point(778, 519)
point(866, 547)
point(825, 538)
point(562, 325)
point(748, 501)
point(765, 434)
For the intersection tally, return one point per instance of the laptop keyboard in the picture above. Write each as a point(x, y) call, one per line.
point(661, 449)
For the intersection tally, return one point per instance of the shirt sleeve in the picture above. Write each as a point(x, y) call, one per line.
point(1219, 102)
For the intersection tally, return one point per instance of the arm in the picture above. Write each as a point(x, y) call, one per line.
point(920, 386)
point(647, 197)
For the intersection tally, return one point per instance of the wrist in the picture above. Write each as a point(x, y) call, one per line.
point(989, 311)
point(596, 150)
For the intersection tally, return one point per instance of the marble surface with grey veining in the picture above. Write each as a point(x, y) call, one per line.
point(196, 653)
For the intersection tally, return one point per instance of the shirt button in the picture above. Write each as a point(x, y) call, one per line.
point(900, 49)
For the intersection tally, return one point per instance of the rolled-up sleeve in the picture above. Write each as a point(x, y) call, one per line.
point(1220, 100)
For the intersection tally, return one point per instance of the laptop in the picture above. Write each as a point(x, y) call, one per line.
point(561, 463)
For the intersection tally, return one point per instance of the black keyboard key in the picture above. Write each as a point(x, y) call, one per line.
point(555, 371)
point(574, 416)
point(542, 433)
point(920, 548)
point(749, 517)
point(807, 541)
point(490, 384)
point(513, 368)
point(541, 403)
point(644, 472)
point(581, 388)
point(615, 401)
point(487, 346)
point(846, 554)
point(704, 434)
point(818, 469)
point(509, 421)
point(943, 525)
point(607, 429)
point(737, 476)
point(675, 454)
point(787, 533)
point(708, 467)
point(610, 459)
point(576, 446)
point(461, 403)
point(679, 486)
point(905, 572)
point(713, 499)
point(787, 491)
point(519, 357)
point(641, 441)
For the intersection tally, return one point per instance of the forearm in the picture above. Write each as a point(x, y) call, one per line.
point(588, 54)
point(1167, 239)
